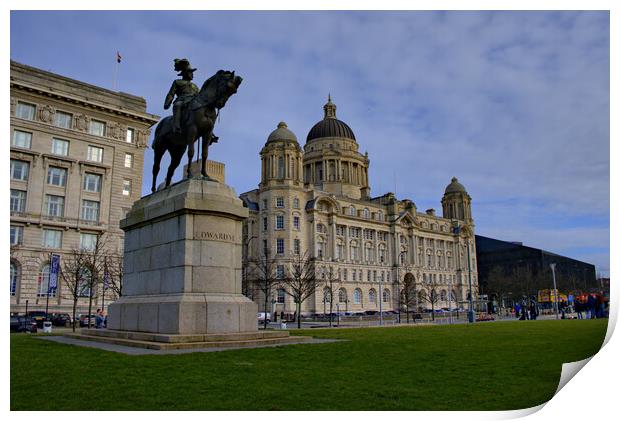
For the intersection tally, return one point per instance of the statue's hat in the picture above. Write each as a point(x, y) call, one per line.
point(182, 65)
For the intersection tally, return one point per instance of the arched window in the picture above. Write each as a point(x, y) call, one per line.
point(14, 277)
point(44, 282)
point(386, 295)
point(444, 295)
point(381, 253)
point(366, 213)
point(368, 252)
point(320, 228)
point(281, 167)
point(372, 296)
point(352, 210)
point(342, 295)
point(281, 294)
point(357, 296)
point(327, 295)
point(339, 249)
point(379, 216)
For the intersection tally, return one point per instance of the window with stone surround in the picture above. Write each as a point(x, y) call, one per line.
point(18, 201)
point(296, 224)
point(21, 139)
point(17, 235)
point(126, 187)
point(57, 176)
point(131, 135)
point(60, 147)
point(94, 154)
point(92, 182)
point(25, 111)
point(279, 222)
point(128, 160)
point(19, 170)
point(296, 246)
point(63, 119)
point(54, 205)
point(90, 210)
point(96, 128)
point(279, 202)
point(280, 246)
point(51, 239)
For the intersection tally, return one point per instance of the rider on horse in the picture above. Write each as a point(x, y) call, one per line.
point(184, 89)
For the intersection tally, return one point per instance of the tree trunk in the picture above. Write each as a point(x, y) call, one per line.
point(298, 315)
point(74, 311)
point(265, 312)
point(433, 310)
point(331, 309)
point(90, 306)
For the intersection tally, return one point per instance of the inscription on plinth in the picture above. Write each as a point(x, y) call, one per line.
point(214, 236)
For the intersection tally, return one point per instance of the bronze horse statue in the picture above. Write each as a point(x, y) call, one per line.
point(197, 120)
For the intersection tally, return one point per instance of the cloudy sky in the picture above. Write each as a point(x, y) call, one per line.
point(514, 104)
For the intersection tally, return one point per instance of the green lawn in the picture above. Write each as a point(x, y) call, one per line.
point(504, 365)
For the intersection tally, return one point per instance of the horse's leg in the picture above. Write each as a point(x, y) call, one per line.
point(159, 153)
point(175, 159)
point(205, 153)
point(190, 157)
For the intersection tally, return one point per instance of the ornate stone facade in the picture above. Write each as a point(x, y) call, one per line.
point(69, 178)
point(316, 200)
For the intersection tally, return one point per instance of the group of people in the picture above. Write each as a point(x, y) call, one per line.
point(593, 305)
point(526, 310)
point(100, 319)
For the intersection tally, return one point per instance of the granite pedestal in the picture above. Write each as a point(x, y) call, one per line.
point(182, 270)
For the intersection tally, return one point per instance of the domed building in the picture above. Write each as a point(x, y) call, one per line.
point(379, 253)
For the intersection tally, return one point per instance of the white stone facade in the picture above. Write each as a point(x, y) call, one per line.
point(317, 200)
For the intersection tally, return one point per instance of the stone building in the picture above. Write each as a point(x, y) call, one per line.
point(317, 200)
point(77, 154)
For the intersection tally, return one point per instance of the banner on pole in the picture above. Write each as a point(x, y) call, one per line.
point(54, 269)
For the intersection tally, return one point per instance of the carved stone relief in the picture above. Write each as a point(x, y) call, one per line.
point(46, 113)
point(81, 122)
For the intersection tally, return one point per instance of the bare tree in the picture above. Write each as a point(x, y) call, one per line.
point(331, 279)
point(114, 268)
point(408, 294)
point(263, 277)
point(73, 270)
point(300, 281)
point(432, 297)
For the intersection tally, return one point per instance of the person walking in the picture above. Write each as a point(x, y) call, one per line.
point(578, 308)
point(591, 306)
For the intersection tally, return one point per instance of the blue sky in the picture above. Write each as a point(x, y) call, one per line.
point(514, 104)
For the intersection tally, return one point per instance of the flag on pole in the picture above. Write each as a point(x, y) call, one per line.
point(118, 57)
point(55, 268)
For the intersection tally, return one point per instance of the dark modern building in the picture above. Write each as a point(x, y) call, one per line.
point(510, 270)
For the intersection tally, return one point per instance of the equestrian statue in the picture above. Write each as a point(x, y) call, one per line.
point(194, 112)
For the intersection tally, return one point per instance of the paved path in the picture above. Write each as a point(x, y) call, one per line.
point(129, 350)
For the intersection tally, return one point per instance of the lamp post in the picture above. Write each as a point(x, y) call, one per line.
point(380, 305)
point(555, 292)
point(471, 292)
point(450, 299)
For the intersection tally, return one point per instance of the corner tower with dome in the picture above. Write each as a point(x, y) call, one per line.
point(316, 201)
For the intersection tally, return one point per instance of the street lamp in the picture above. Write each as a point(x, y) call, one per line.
point(555, 291)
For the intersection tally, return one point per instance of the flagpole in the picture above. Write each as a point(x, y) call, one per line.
point(115, 76)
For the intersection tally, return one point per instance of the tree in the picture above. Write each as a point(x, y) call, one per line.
point(332, 281)
point(72, 272)
point(300, 281)
point(114, 267)
point(432, 298)
point(263, 277)
point(408, 294)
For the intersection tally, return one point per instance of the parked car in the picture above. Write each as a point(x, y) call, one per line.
point(23, 324)
point(262, 316)
point(38, 316)
point(61, 319)
point(83, 318)
point(370, 312)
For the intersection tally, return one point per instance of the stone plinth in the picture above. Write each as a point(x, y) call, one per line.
point(182, 263)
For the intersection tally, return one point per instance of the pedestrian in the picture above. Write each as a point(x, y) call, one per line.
point(578, 308)
point(591, 306)
point(98, 319)
point(533, 310)
point(517, 310)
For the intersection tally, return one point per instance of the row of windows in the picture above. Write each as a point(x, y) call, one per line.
point(357, 296)
point(280, 203)
point(54, 206)
point(280, 246)
point(60, 147)
point(52, 238)
point(43, 281)
point(279, 223)
point(64, 120)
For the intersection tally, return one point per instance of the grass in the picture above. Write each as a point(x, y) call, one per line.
point(487, 366)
